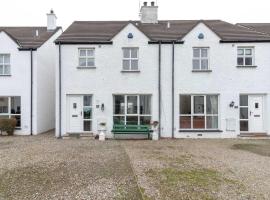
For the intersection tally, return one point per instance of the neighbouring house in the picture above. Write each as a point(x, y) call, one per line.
point(27, 78)
point(198, 78)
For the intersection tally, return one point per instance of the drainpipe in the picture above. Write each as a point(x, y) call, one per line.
point(31, 92)
point(173, 62)
point(60, 92)
point(159, 89)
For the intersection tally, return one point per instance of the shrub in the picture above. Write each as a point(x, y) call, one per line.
point(8, 125)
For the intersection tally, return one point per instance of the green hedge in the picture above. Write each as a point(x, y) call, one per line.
point(8, 125)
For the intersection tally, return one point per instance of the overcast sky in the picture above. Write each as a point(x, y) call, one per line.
point(33, 12)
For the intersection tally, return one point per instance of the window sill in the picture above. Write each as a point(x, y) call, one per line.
point(5, 75)
point(130, 71)
point(198, 131)
point(248, 66)
point(86, 67)
point(206, 71)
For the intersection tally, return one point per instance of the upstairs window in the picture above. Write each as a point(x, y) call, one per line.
point(130, 59)
point(245, 56)
point(4, 64)
point(86, 58)
point(200, 58)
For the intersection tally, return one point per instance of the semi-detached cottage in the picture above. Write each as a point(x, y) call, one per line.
point(198, 78)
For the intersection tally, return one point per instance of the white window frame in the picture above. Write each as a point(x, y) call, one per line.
point(205, 115)
point(91, 107)
point(9, 114)
point(130, 59)
point(125, 115)
point(5, 64)
point(244, 56)
point(86, 57)
point(200, 58)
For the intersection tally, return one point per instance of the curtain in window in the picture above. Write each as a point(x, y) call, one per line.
point(212, 110)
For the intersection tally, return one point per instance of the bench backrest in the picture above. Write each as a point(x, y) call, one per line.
point(130, 127)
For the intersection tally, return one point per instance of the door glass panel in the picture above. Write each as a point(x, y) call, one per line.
point(87, 125)
point(132, 120)
point(243, 125)
point(243, 113)
point(132, 105)
point(198, 122)
point(119, 104)
point(185, 104)
point(87, 100)
point(87, 113)
point(243, 100)
point(198, 104)
point(185, 122)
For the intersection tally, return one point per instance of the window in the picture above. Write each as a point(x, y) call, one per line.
point(200, 58)
point(4, 64)
point(132, 109)
point(87, 113)
point(199, 112)
point(243, 115)
point(86, 58)
point(245, 56)
point(130, 59)
point(10, 107)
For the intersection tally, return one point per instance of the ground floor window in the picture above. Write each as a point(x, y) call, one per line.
point(199, 112)
point(132, 109)
point(10, 107)
point(87, 113)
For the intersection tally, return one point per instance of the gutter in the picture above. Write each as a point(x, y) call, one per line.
point(159, 89)
point(60, 92)
point(31, 93)
point(173, 63)
point(71, 42)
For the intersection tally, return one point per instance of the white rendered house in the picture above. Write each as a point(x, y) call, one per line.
point(198, 78)
point(27, 80)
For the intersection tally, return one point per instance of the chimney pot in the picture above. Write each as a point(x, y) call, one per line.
point(152, 3)
point(145, 3)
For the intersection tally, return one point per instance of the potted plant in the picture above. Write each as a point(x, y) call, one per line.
point(155, 130)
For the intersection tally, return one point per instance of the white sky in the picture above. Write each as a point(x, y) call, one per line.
point(33, 12)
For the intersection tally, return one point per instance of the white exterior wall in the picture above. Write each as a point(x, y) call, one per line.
point(18, 84)
point(225, 79)
point(107, 79)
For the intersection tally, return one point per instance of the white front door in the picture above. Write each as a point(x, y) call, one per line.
point(255, 113)
point(75, 118)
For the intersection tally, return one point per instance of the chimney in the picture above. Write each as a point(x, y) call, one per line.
point(149, 14)
point(51, 21)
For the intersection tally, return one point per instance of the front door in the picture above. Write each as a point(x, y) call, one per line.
point(255, 113)
point(75, 118)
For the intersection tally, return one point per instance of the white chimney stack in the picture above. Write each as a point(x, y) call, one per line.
point(51, 21)
point(149, 14)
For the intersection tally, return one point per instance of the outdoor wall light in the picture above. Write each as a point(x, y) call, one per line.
point(130, 36)
point(102, 107)
point(232, 104)
point(201, 36)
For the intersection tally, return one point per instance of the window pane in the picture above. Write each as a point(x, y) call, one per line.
point(1, 69)
point(3, 105)
point(243, 100)
point(243, 113)
point(240, 61)
point(87, 125)
point(119, 104)
point(243, 125)
point(134, 65)
point(82, 52)
point(204, 64)
point(90, 62)
point(212, 122)
point(196, 64)
point(185, 104)
point(145, 120)
point(1, 58)
point(198, 122)
point(212, 104)
point(132, 105)
point(87, 113)
point(119, 120)
point(204, 53)
point(126, 64)
point(15, 105)
point(248, 52)
point(196, 53)
point(132, 120)
point(145, 104)
point(7, 59)
point(240, 52)
point(87, 100)
point(185, 122)
point(90, 52)
point(126, 53)
point(248, 61)
point(18, 120)
point(4, 117)
point(134, 53)
point(7, 69)
point(198, 104)
point(82, 62)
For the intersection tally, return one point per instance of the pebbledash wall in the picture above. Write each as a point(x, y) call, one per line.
point(225, 79)
point(19, 83)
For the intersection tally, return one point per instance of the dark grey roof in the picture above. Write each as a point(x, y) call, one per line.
point(104, 31)
point(26, 37)
point(260, 27)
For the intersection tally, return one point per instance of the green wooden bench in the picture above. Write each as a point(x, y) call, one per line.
point(131, 129)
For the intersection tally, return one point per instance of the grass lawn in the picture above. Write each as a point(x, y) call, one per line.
point(257, 147)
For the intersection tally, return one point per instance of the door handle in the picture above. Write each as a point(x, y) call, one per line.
point(81, 113)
